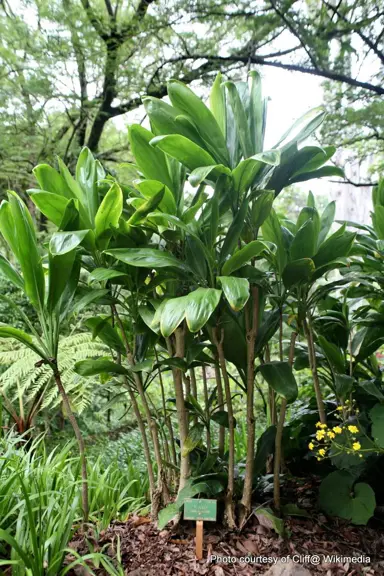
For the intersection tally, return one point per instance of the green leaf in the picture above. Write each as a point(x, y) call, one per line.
point(324, 172)
point(51, 205)
point(338, 496)
point(189, 104)
point(370, 388)
point(376, 415)
point(221, 417)
point(261, 207)
point(234, 231)
point(151, 161)
point(272, 232)
point(172, 314)
point(102, 329)
point(91, 296)
point(151, 188)
point(297, 272)
point(108, 214)
point(304, 243)
point(246, 171)
point(20, 336)
point(7, 270)
point(338, 245)
point(192, 440)
point(87, 175)
point(102, 274)
point(146, 258)
point(280, 377)
point(265, 447)
point(63, 242)
point(236, 291)
point(343, 385)
point(184, 150)
point(217, 102)
point(146, 207)
point(99, 366)
point(333, 355)
point(256, 112)
point(60, 268)
point(27, 251)
point(241, 119)
point(200, 305)
point(243, 256)
point(277, 524)
point(52, 181)
point(378, 221)
point(167, 514)
point(326, 221)
point(303, 127)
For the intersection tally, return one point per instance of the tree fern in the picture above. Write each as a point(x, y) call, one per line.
point(25, 375)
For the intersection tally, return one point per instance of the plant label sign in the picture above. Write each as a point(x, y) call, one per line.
point(200, 509)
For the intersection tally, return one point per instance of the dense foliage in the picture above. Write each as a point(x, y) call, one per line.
point(188, 279)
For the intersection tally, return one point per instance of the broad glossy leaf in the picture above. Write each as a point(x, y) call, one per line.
point(245, 173)
point(344, 385)
point(318, 157)
point(60, 268)
point(27, 251)
point(87, 175)
point(265, 447)
point(267, 329)
point(52, 181)
point(221, 417)
point(91, 296)
point(234, 231)
point(51, 205)
point(241, 119)
point(280, 377)
point(103, 274)
point(151, 160)
point(19, 335)
point(146, 207)
point(326, 221)
point(7, 270)
point(303, 127)
point(99, 366)
point(243, 256)
point(184, 150)
point(192, 440)
point(185, 100)
point(272, 232)
point(324, 172)
point(172, 314)
point(199, 175)
point(150, 188)
point(236, 291)
point(63, 242)
point(261, 207)
point(101, 328)
point(108, 213)
point(256, 113)
point(304, 243)
point(337, 245)
point(297, 272)
point(217, 102)
point(146, 258)
point(200, 306)
point(333, 354)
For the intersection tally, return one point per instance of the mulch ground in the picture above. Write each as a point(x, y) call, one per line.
point(146, 551)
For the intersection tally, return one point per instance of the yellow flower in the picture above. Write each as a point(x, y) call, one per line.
point(356, 446)
point(318, 424)
point(353, 429)
point(320, 434)
point(322, 452)
point(311, 445)
point(337, 429)
point(323, 426)
point(331, 434)
point(339, 408)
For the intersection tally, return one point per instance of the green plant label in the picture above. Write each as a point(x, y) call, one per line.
point(200, 509)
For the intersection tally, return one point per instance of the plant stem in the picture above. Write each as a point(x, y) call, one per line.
point(252, 327)
point(192, 377)
point(218, 340)
point(220, 400)
point(180, 405)
point(80, 442)
point(312, 360)
point(279, 434)
point(206, 403)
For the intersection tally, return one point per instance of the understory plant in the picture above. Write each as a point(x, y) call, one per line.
point(197, 279)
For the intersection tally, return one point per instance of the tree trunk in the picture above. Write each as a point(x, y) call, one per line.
point(206, 405)
point(229, 508)
point(80, 442)
point(192, 377)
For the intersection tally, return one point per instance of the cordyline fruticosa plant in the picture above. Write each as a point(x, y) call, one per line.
point(196, 278)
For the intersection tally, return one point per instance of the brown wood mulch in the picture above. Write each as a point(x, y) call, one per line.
point(146, 551)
